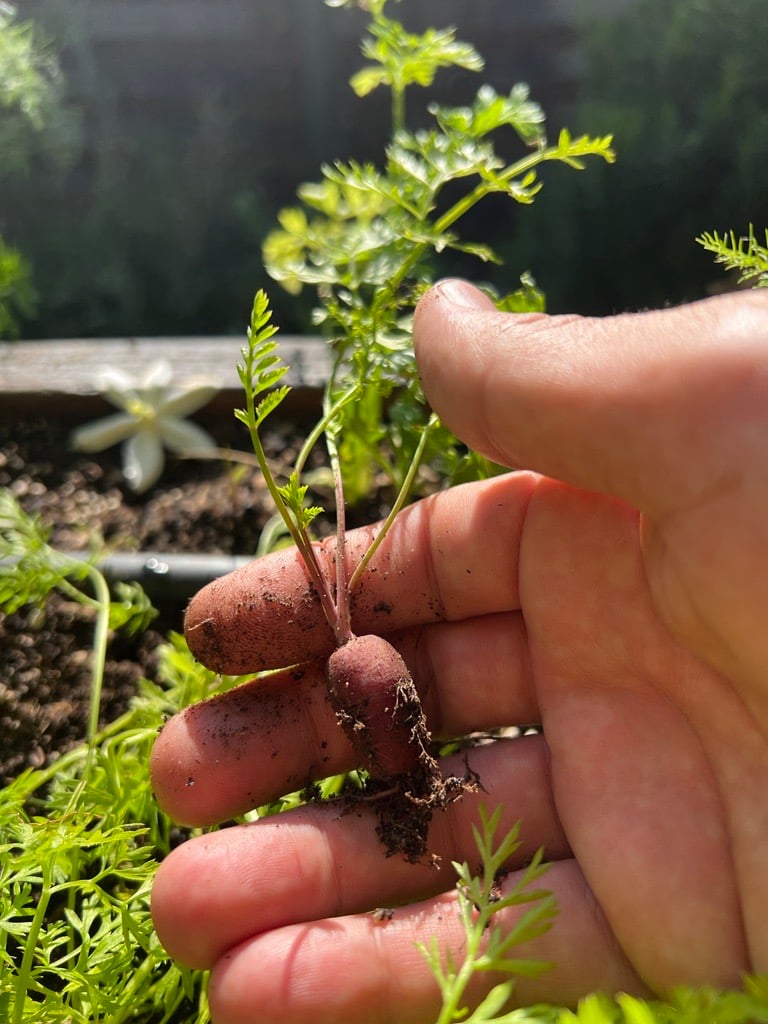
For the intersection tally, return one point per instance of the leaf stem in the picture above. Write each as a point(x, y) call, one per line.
point(299, 536)
point(342, 627)
point(317, 431)
point(398, 108)
point(100, 641)
point(484, 188)
point(449, 1011)
point(343, 616)
point(398, 504)
point(30, 944)
point(458, 210)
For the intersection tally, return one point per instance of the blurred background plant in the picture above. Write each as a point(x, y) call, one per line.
point(17, 295)
point(30, 83)
point(129, 227)
point(684, 88)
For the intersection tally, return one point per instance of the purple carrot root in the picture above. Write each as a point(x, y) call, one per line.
point(378, 707)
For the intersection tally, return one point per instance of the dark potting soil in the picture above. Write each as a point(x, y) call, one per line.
point(197, 506)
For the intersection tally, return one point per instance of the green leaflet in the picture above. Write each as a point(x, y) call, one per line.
point(740, 253)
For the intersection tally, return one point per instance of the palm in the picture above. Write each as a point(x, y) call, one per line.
point(641, 735)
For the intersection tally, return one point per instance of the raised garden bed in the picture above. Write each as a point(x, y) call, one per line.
point(198, 509)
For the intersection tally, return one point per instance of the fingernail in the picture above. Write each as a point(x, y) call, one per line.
point(461, 293)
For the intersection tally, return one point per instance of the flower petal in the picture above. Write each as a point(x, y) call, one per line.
point(154, 397)
point(182, 436)
point(153, 387)
point(157, 374)
point(117, 386)
point(182, 403)
point(103, 433)
point(143, 460)
point(112, 378)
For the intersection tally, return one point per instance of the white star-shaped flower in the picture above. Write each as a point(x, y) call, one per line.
point(153, 418)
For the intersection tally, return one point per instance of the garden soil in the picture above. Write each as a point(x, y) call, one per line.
point(198, 506)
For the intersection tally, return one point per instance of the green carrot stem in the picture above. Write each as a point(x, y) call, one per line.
point(299, 535)
point(317, 431)
point(398, 504)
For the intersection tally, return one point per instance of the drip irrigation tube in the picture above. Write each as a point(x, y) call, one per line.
point(171, 577)
point(166, 578)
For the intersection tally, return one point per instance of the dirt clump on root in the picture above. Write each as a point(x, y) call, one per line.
point(404, 810)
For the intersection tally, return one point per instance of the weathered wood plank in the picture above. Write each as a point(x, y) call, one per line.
point(58, 377)
point(71, 366)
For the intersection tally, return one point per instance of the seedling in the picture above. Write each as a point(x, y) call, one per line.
point(30, 568)
point(366, 238)
point(369, 685)
point(480, 899)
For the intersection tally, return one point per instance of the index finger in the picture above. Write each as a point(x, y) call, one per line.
point(448, 557)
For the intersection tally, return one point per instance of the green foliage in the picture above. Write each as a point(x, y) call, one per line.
point(17, 294)
point(367, 238)
point(490, 112)
point(30, 569)
point(294, 495)
point(261, 369)
point(743, 254)
point(481, 896)
point(527, 299)
point(401, 58)
point(79, 845)
point(260, 372)
point(488, 944)
point(685, 1006)
point(81, 839)
point(28, 74)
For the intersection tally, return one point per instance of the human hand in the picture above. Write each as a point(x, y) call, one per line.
point(617, 596)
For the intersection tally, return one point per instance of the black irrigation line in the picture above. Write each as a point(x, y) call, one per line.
point(166, 578)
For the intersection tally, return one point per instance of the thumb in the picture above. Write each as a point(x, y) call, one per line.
point(655, 408)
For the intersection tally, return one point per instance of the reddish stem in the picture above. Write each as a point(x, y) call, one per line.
point(343, 616)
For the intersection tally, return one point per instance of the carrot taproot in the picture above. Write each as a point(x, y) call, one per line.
point(378, 706)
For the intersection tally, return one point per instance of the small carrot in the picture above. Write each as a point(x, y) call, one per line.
point(378, 707)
